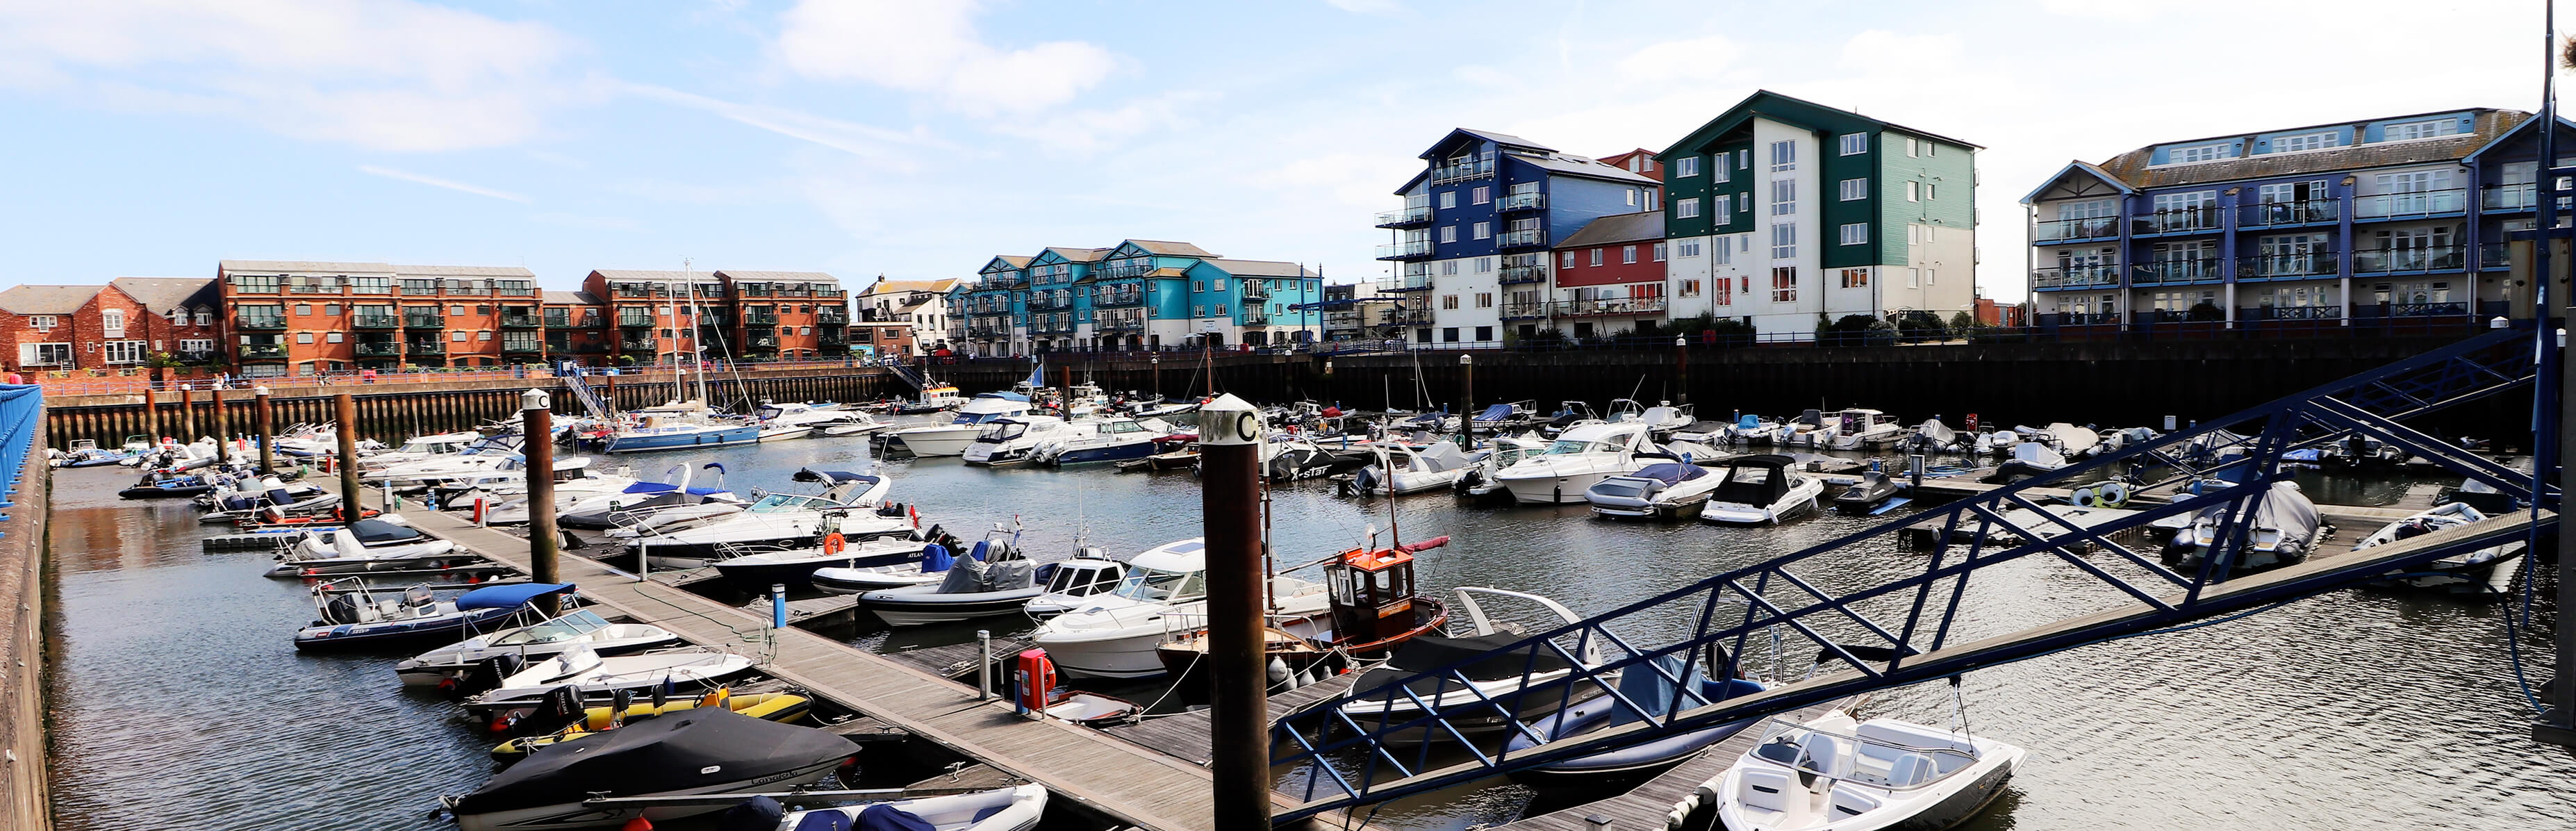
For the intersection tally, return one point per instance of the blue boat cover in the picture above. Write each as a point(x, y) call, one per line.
point(1748, 422)
point(1669, 473)
point(884, 817)
point(1006, 396)
point(507, 597)
point(982, 547)
point(1649, 690)
point(1497, 412)
point(935, 558)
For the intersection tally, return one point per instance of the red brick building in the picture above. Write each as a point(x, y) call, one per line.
point(884, 338)
point(293, 318)
point(1608, 278)
point(124, 324)
point(576, 328)
point(786, 315)
point(1640, 161)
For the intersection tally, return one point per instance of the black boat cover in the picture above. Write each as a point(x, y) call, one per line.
point(1429, 652)
point(1671, 473)
point(695, 749)
point(379, 532)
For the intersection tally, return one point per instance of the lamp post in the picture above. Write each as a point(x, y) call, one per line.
point(1681, 357)
point(1467, 402)
point(536, 427)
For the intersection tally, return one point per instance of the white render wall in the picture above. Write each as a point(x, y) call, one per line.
point(1465, 285)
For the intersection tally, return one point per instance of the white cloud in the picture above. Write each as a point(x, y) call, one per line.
point(383, 74)
point(934, 48)
point(1089, 132)
point(875, 143)
point(436, 182)
point(1697, 59)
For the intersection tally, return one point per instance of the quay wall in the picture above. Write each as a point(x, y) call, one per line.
point(22, 655)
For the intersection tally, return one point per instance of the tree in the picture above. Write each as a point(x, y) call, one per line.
point(2204, 311)
point(1962, 322)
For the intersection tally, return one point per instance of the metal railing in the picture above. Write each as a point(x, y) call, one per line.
point(260, 352)
point(1401, 217)
point(2410, 204)
point(430, 347)
point(2495, 255)
point(632, 321)
point(2074, 277)
point(519, 321)
point(2084, 228)
point(1533, 310)
point(1513, 274)
point(261, 322)
point(2522, 197)
point(634, 345)
point(378, 349)
point(1607, 306)
point(1118, 298)
point(1469, 169)
point(1050, 300)
point(2300, 212)
point(2183, 221)
point(1410, 249)
point(754, 319)
point(431, 320)
point(2174, 272)
point(365, 320)
point(2303, 264)
point(1521, 239)
point(1521, 202)
point(522, 345)
point(2291, 313)
point(1406, 317)
point(2405, 260)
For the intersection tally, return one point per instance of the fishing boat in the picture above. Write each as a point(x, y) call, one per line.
point(1577, 460)
point(1765, 489)
point(2282, 529)
point(1013, 440)
point(935, 398)
point(381, 543)
point(1103, 440)
point(1668, 490)
point(1483, 685)
point(1374, 607)
point(596, 677)
point(1666, 687)
point(700, 752)
point(533, 642)
point(2474, 571)
point(1016, 808)
point(781, 707)
point(358, 617)
point(951, 439)
point(1836, 773)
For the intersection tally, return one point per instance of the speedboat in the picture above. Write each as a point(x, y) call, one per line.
point(1864, 496)
point(1651, 689)
point(531, 643)
point(2282, 529)
point(352, 618)
point(1164, 592)
point(382, 543)
point(475, 459)
point(797, 419)
point(700, 752)
point(1400, 469)
point(952, 438)
point(266, 494)
point(87, 453)
point(421, 449)
point(1071, 583)
point(1287, 458)
point(1750, 429)
point(932, 566)
point(1809, 429)
point(1013, 440)
point(678, 488)
point(1626, 410)
point(1765, 489)
point(1859, 429)
point(596, 676)
point(1839, 774)
point(782, 520)
point(1496, 456)
point(994, 579)
point(755, 570)
point(1669, 490)
point(781, 707)
point(1486, 691)
point(158, 485)
point(1103, 440)
point(1016, 808)
point(1577, 460)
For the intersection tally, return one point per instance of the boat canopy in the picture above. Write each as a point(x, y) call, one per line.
point(1497, 412)
point(1671, 473)
point(829, 477)
point(680, 753)
point(507, 597)
point(1756, 480)
point(1748, 421)
point(377, 532)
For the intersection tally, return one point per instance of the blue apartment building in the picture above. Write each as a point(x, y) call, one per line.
point(1138, 294)
point(2399, 223)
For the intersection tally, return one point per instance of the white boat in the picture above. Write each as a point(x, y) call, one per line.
point(1858, 428)
point(1838, 774)
point(2073, 442)
point(1809, 429)
point(2282, 529)
point(951, 439)
point(1670, 490)
point(1103, 440)
point(380, 543)
point(2472, 571)
point(1013, 440)
point(1666, 417)
point(421, 448)
point(1934, 437)
point(597, 676)
point(1765, 489)
point(363, 616)
point(936, 558)
point(1006, 809)
point(992, 579)
point(1750, 429)
point(478, 459)
point(1164, 592)
point(1497, 455)
point(532, 643)
point(781, 520)
point(1070, 584)
point(1577, 460)
point(1400, 469)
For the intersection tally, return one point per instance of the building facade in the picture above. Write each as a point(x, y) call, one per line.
point(1784, 213)
point(128, 323)
point(1609, 280)
point(927, 306)
point(1138, 294)
point(300, 318)
point(785, 315)
point(2382, 221)
point(1357, 311)
point(1488, 204)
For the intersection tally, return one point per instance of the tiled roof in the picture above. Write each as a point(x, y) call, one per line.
point(463, 271)
point(778, 276)
point(303, 267)
point(581, 298)
point(47, 300)
point(2131, 167)
point(940, 286)
point(1176, 249)
point(161, 294)
point(1080, 255)
point(1617, 228)
point(1261, 268)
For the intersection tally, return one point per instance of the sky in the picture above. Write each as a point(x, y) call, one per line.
point(917, 139)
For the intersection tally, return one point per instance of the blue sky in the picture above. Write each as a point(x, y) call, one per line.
point(916, 139)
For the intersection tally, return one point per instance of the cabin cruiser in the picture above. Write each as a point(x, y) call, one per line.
point(1840, 774)
point(1010, 441)
point(702, 751)
point(795, 419)
point(423, 448)
point(1652, 689)
point(1164, 591)
point(1667, 490)
point(1577, 460)
point(1765, 489)
point(382, 543)
point(1103, 440)
point(951, 439)
point(1495, 456)
point(531, 643)
point(781, 520)
point(1400, 469)
point(1809, 429)
point(2282, 529)
point(1527, 683)
point(358, 617)
point(1865, 428)
point(596, 677)
point(678, 488)
point(475, 460)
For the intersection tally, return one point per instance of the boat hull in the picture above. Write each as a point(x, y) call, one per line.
point(938, 441)
point(369, 635)
point(1128, 652)
point(1113, 453)
point(906, 607)
point(1553, 490)
point(576, 815)
point(799, 574)
point(746, 434)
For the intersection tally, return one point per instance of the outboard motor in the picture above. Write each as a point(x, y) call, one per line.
point(489, 672)
point(561, 707)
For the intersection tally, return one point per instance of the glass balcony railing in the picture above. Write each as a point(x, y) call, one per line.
point(1521, 239)
point(373, 320)
point(760, 319)
point(378, 349)
point(522, 345)
point(763, 341)
point(2066, 230)
point(2522, 197)
point(2268, 266)
point(1467, 169)
point(2405, 260)
point(1407, 216)
point(1524, 311)
point(263, 322)
point(636, 345)
point(2301, 212)
point(1407, 250)
point(1513, 274)
point(2410, 205)
point(2177, 272)
point(1607, 306)
point(424, 321)
point(1521, 202)
point(1118, 298)
point(262, 352)
point(2074, 277)
point(1407, 316)
point(2182, 221)
point(1409, 282)
point(2495, 256)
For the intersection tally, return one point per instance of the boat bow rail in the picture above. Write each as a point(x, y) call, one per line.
point(1903, 625)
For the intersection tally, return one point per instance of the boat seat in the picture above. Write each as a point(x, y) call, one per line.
point(1912, 769)
point(1825, 754)
point(1763, 789)
point(1849, 803)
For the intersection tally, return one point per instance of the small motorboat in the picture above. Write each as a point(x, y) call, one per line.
point(755, 570)
point(358, 617)
point(1932, 437)
point(2470, 572)
point(1014, 440)
point(994, 580)
point(1070, 583)
point(1507, 686)
point(704, 751)
point(1750, 429)
point(1666, 418)
point(382, 543)
point(157, 485)
point(531, 643)
point(263, 496)
point(1569, 414)
point(1114, 634)
point(1810, 429)
point(1861, 428)
point(1375, 607)
point(1764, 489)
point(1104, 440)
point(598, 677)
point(1865, 496)
point(1836, 773)
point(1290, 458)
point(1496, 456)
point(781, 707)
point(87, 453)
point(2282, 529)
point(1652, 689)
point(1577, 460)
point(854, 503)
point(1399, 469)
point(657, 512)
point(1016, 808)
point(951, 439)
point(1504, 418)
point(1670, 490)
point(2029, 458)
point(931, 567)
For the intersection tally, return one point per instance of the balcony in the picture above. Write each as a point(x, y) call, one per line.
point(1530, 238)
point(1608, 306)
point(2509, 198)
point(2183, 221)
point(1521, 202)
point(636, 345)
point(522, 346)
point(2075, 230)
point(2288, 214)
point(1525, 311)
point(1409, 282)
point(1120, 325)
point(831, 317)
point(1057, 327)
point(2410, 260)
point(2495, 256)
point(378, 349)
point(760, 318)
point(766, 340)
point(1256, 289)
point(1469, 169)
point(1254, 315)
point(2177, 272)
point(1523, 274)
point(634, 321)
point(1050, 301)
point(1123, 270)
point(519, 320)
point(429, 320)
point(2290, 313)
point(2276, 266)
point(983, 332)
point(1399, 317)
point(1407, 250)
point(260, 322)
point(261, 352)
point(1406, 217)
point(426, 347)
point(2074, 277)
point(1118, 298)
point(375, 320)
point(2422, 204)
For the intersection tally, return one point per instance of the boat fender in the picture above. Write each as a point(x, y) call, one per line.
point(2088, 496)
point(2115, 494)
point(1277, 672)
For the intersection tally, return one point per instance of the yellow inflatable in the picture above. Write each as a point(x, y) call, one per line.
point(780, 707)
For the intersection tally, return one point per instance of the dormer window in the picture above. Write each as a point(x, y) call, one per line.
point(2203, 153)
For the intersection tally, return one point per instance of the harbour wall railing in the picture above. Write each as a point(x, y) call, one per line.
point(22, 568)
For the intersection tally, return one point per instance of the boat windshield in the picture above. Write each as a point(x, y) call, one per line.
point(786, 502)
point(563, 628)
point(1155, 585)
point(1880, 753)
point(980, 418)
point(1002, 431)
point(1564, 447)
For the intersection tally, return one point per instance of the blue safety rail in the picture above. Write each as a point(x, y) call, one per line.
point(22, 412)
point(1837, 604)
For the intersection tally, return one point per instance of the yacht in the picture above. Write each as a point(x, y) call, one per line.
point(851, 506)
point(678, 426)
point(1014, 440)
point(1763, 489)
point(1837, 773)
point(422, 448)
point(1866, 429)
point(951, 439)
point(1164, 592)
point(1577, 460)
point(1103, 440)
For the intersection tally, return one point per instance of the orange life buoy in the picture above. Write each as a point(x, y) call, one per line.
point(832, 544)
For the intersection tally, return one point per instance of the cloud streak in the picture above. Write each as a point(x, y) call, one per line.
point(449, 184)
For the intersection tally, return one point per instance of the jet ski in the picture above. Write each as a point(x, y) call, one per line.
point(1873, 490)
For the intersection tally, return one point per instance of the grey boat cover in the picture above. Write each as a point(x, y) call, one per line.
point(1940, 434)
point(1670, 473)
point(657, 755)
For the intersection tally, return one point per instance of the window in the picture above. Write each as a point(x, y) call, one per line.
point(2421, 129)
point(1627, 255)
point(1725, 211)
point(1784, 240)
point(1722, 291)
point(1659, 252)
point(1449, 233)
point(459, 311)
point(1632, 197)
point(1484, 333)
point(1855, 189)
point(1651, 196)
point(1449, 269)
point(1484, 230)
point(1784, 284)
point(1449, 301)
point(1481, 195)
point(1690, 287)
point(1931, 191)
point(1914, 191)
point(1449, 335)
point(2309, 141)
point(459, 337)
point(1912, 148)
point(1484, 300)
point(1721, 253)
point(331, 337)
point(1855, 278)
point(1689, 248)
point(1927, 233)
point(1855, 233)
point(1784, 197)
point(1744, 159)
point(1484, 265)
point(125, 351)
point(1914, 278)
point(1568, 260)
point(485, 336)
point(1686, 209)
point(1784, 156)
point(330, 310)
point(2202, 153)
point(1722, 173)
point(1931, 148)
point(1596, 256)
point(1685, 166)
point(303, 337)
point(1449, 199)
point(1198, 311)
point(45, 354)
point(1855, 144)
point(41, 323)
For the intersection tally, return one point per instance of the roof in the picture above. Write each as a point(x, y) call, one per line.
point(940, 286)
point(580, 298)
point(303, 266)
point(1785, 108)
point(2087, 168)
point(1176, 249)
point(47, 300)
point(1008, 261)
point(777, 276)
point(1261, 268)
point(162, 294)
point(1080, 255)
point(1617, 228)
point(1619, 160)
point(1580, 166)
point(647, 276)
point(2132, 167)
point(1504, 139)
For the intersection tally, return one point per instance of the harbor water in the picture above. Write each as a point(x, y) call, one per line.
point(178, 700)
